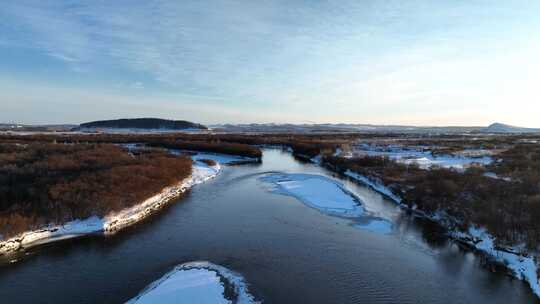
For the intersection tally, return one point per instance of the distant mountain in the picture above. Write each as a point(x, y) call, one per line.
point(368, 128)
point(339, 128)
point(503, 128)
point(142, 123)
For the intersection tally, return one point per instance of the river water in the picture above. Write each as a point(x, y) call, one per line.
point(287, 252)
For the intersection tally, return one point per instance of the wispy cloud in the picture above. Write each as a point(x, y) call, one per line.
point(342, 58)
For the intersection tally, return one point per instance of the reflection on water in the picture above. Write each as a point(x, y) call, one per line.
point(287, 252)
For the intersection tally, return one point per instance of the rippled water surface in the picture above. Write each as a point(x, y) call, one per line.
point(287, 251)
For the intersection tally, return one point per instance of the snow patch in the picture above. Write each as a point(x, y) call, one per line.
point(328, 196)
point(196, 282)
point(379, 187)
point(317, 191)
point(425, 158)
point(524, 267)
point(495, 176)
point(69, 230)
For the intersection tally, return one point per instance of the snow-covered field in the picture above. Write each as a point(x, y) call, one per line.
point(113, 222)
point(425, 158)
point(328, 196)
point(196, 282)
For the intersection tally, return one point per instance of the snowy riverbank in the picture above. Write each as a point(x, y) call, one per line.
point(522, 266)
point(112, 222)
point(197, 282)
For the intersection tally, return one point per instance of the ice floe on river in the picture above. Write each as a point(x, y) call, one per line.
point(328, 196)
point(197, 282)
point(317, 191)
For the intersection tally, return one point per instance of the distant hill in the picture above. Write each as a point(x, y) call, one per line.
point(338, 128)
point(368, 128)
point(503, 128)
point(143, 123)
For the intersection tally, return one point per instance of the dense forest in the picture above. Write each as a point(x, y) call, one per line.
point(143, 123)
point(509, 208)
point(43, 183)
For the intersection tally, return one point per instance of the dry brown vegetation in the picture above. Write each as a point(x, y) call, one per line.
point(508, 209)
point(43, 183)
point(225, 144)
point(215, 147)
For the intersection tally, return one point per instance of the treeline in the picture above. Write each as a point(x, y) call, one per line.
point(198, 142)
point(214, 147)
point(250, 139)
point(509, 210)
point(302, 144)
point(44, 183)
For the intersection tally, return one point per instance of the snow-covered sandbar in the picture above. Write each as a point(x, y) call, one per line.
point(328, 196)
point(197, 282)
point(112, 222)
point(317, 191)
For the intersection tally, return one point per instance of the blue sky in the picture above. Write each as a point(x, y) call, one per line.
point(383, 62)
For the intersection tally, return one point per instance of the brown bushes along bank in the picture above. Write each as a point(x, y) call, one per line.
point(509, 210)
point(54, 183)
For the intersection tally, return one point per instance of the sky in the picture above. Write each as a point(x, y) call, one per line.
point(409, 62)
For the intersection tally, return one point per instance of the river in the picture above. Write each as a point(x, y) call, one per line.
point(286, 251)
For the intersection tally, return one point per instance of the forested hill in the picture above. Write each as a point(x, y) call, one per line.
point(143, 123)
